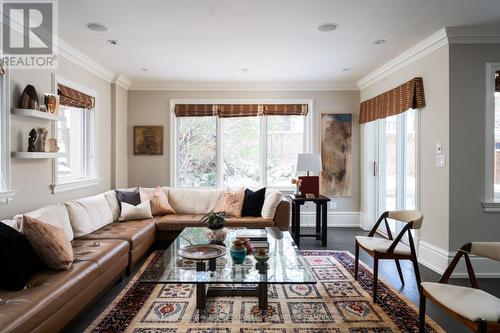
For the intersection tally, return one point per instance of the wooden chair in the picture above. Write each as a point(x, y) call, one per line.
point(473, 307)
point(383, 248)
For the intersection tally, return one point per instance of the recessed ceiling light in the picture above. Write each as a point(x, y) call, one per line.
point(112, 42)
point(245, 69)
point(326, 27)
point(97, 27)
point(144, 69)
point(379, 41)
point(347, 69)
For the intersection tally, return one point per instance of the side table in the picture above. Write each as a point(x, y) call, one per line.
point(321, 218)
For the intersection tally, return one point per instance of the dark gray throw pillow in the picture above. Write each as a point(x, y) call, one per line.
point(18, 260)
point(252, 205)
point(130, 197)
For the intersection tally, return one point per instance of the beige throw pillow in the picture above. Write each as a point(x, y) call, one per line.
point(271, 203)
point(158, 199)
point(231, 203)
point(49, 242)
point(140, 212)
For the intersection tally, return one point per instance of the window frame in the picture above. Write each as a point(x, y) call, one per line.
point(174, 125)
point(91, 165)
point(491, 200)
point(6, 194)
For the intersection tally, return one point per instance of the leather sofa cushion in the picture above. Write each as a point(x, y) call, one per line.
point(180, 221)
point(185, 201)
point(55, 214)
point(105, 253)
point(46, 292)
point(89, 214)
point(135, 232)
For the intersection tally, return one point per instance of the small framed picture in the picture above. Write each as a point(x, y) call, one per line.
point(148, 140)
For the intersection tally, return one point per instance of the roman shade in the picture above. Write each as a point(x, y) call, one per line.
point(240, 110)
point(409, 95)
point(71, 97)
point(497, 81)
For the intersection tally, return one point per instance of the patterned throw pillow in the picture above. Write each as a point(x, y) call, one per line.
point(158, 199)
point(49, 242)
point(231, 203)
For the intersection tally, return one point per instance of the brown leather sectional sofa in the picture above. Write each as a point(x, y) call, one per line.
point(53, 299)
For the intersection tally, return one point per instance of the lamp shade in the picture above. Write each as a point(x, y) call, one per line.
point(309, 163)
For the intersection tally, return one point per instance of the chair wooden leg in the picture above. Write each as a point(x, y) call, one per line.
point(421, 323)
point(375, 278)
point(417, 272)
point(356, 261)
point(400, 272)
point(482, 326)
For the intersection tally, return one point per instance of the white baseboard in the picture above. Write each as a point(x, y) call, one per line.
point(335, 219)
point(437, 259)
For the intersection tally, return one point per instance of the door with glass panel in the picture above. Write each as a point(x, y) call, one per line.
point(396, 167)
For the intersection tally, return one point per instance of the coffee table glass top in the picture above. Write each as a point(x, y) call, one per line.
point(285, 264)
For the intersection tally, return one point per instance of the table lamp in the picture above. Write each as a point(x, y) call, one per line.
point(309, 163)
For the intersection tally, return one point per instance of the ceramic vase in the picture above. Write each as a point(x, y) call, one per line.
point(238, 252)
point(217, 235)
point(261, 255)
point(247, 245)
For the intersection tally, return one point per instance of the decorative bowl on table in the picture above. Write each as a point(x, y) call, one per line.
point(202, 252)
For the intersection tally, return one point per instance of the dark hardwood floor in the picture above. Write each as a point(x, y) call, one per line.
point(338, 239)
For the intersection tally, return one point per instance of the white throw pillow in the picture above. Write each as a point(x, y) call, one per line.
point(195, 202)
point(139, 212)
point(113, 203)
point(271, 203)
point(89, 214)
point(55, 214)
point(11, 223)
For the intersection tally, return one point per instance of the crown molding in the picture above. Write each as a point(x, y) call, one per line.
point(121, 81)
point(69, 52)
point(243, 86)
point(470, 35)
point(421, 49)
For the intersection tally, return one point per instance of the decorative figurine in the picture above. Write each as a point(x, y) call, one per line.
point(42, 139)
point(29, 98)
point(51, 146)
point(31, 140)
point(52, 103)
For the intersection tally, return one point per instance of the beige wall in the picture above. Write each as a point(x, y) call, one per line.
point(467, 144)
point(119, 159)
point(32, 178)
point(434, 128)
point(153, 107)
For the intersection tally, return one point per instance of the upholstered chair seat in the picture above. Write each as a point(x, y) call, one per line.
point(381, 245)
point(473, 304)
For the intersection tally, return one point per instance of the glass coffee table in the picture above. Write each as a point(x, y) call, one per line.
point(220, 277)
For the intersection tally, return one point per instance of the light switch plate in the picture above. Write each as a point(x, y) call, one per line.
point(440, 160)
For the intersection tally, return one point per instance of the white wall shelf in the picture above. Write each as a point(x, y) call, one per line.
point(36, 114)
point(35, 155)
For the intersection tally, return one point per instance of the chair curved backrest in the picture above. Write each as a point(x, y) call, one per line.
point(407, 216)
point(490, 250)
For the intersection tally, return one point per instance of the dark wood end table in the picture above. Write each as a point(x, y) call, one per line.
point(321, 217)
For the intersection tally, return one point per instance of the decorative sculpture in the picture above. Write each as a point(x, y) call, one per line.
point(51, 103)
point(31, 140)
point(42, 139)
point(51, 146)
point(29, 98)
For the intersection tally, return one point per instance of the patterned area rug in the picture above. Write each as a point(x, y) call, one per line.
point(336, 304)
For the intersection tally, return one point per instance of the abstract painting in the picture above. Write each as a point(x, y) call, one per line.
point(148, 140)
point(336, 154)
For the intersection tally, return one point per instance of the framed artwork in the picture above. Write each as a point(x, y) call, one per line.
point(336, 154)
point(148, 140)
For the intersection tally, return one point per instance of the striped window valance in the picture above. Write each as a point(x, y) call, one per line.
point(71, 97)
point(240, 110)
point(497, 81)
point(395, 101)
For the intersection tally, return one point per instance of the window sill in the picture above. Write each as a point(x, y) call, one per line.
point(491, 206)
point(74, 185)
point(6, 196)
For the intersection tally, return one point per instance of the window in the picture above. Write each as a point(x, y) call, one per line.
point(491, 202)
point(74, 140)
point(5, 191)
point(397, 168)
point(214, 152)
point(75, 168)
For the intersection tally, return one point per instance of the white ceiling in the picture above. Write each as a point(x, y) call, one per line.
point(210, 41)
